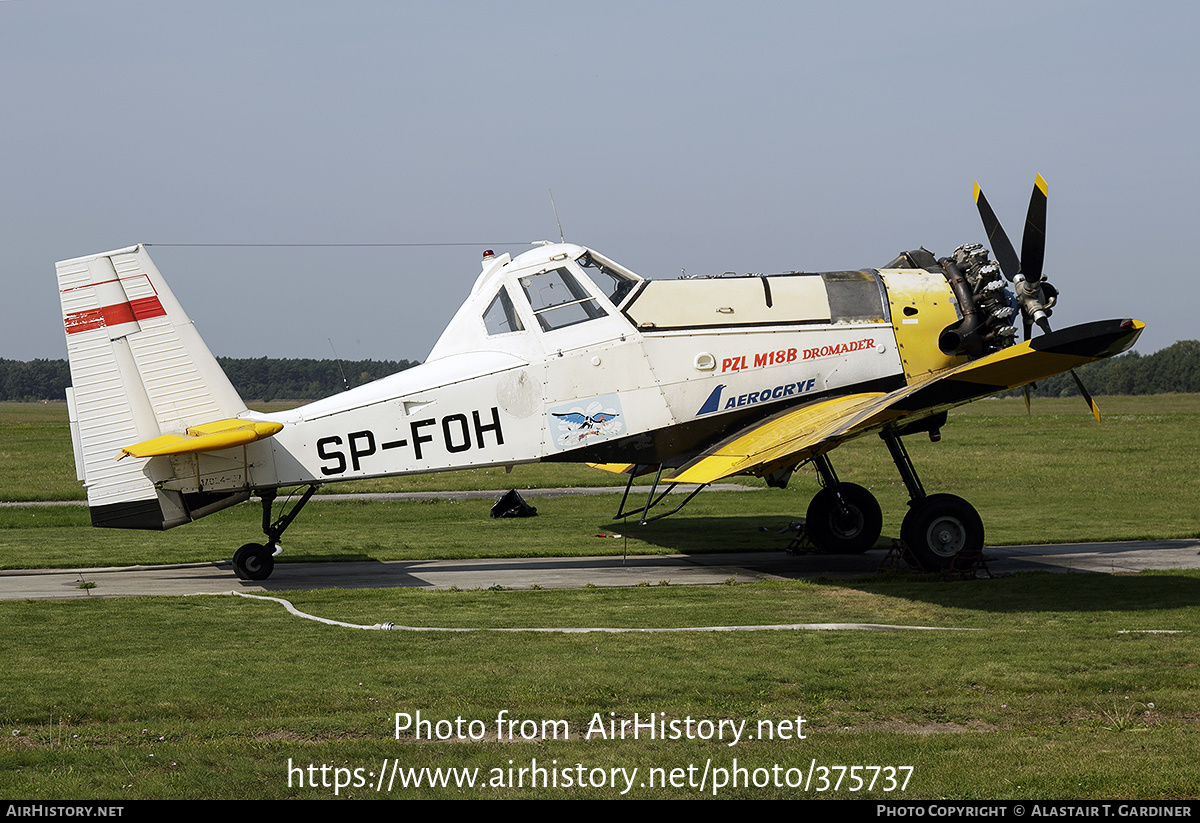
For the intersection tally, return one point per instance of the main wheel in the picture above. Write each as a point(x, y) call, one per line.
point(253, 562)
point(844, 519)
point(941, 528)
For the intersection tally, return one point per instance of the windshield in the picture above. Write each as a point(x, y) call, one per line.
point(615, 284)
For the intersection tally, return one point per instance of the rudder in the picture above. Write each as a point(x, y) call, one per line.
point(139, 369)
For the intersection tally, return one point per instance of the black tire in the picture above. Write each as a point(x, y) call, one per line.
point(253, 562)
point(942, 528)
point(850, 526)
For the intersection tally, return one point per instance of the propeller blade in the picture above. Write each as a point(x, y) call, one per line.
point(1033, 242)
point(1002, 248)
point(1091, 403)
point(1028, 410)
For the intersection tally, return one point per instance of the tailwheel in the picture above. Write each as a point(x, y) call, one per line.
point(844, 519)
point(254, 561)
point(942, 528)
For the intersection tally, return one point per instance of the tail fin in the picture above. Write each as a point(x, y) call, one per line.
point(138, 370)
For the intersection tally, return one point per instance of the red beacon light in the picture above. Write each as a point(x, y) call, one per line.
point(489, 254)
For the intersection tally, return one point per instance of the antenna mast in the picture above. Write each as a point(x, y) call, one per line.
point(345, 383)
point(556, 220)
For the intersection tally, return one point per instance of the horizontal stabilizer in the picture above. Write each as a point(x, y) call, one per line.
point(223, 434)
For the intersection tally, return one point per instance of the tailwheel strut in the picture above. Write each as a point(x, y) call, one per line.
point(941, 530)
point(256, 561)
point(843, 518)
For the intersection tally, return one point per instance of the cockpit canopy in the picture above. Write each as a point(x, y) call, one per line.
point(561, 296)
point(551, 288)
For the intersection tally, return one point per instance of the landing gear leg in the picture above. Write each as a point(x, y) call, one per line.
point(255, 561)
point(843, 518)
point(939, 529)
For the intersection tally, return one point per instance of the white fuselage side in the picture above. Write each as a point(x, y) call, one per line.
point(670, 365)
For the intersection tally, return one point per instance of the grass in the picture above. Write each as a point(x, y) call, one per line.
point(1144, 442)
point(1052, 477)
point(35, 453)
point(1063, 688)
point(210, 697)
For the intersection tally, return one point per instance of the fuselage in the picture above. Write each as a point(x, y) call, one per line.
point(561, 354)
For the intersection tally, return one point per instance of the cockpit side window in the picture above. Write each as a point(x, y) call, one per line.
point(615, 284)
point(501, 317)
point(558, 300)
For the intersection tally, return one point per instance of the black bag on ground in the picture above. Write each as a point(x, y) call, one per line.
point(513, 505)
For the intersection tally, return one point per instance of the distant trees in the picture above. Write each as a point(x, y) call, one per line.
point(266, 378)
point(33, 380)
point(256, 379)
point(1173, 369)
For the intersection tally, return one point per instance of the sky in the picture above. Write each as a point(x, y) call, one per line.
point(700, 136)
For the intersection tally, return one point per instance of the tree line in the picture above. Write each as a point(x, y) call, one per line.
point(1173, 369)
point(256, 378)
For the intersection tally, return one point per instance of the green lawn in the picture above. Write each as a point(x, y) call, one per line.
point(1056, 476)
point(211, 697)
point(1049, 686)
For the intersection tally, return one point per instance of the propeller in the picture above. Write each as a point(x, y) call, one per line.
point(1036, 296)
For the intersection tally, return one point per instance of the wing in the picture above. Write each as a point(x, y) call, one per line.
point(624, 468)
point(792, 437)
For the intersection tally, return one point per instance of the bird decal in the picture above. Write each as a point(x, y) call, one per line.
point(588, 421)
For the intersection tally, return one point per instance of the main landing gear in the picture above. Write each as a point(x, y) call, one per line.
point(942, 529)
point(939, 529)
point(255, 561)
point(843, 518)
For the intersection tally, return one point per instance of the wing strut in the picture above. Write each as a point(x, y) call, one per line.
point(651, 500)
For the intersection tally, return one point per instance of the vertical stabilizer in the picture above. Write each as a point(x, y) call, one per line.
point(138, 370)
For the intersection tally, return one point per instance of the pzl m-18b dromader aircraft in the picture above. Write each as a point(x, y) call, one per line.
point(561, 354)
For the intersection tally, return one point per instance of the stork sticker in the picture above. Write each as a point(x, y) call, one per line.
point(581, 422)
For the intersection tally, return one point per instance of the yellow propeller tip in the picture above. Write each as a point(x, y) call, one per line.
point(1040, 182)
